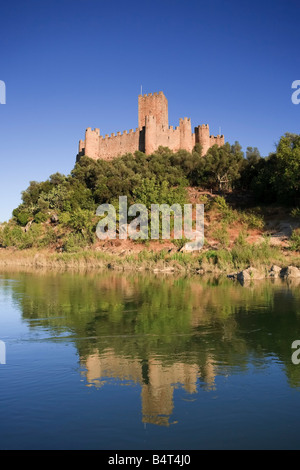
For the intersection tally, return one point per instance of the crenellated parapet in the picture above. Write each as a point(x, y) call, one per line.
point(217, 140)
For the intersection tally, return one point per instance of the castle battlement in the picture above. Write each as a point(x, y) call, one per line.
point(160, 93)
point(153, 131)
point(112, 135)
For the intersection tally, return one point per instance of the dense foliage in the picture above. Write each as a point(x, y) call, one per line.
point(64, 207)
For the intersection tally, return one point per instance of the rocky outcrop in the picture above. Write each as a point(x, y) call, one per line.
point(275, 272)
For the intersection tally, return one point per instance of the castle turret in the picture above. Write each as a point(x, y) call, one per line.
point(186, 139)
point(81, 147)
point(92, 142)
point(202, 137)
point(150, 134)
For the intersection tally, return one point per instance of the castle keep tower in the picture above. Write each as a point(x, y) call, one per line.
point(153, 131)
point(154, 105)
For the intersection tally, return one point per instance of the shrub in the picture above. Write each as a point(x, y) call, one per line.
point(246, 254)
point(221, 235)
point(40, 217)
point(211, 256)
point(296, 213)
point(23, 218)
point(228, 214)
point(252, 220)
point(48, 238)
point(74, 243)
point(295, 240)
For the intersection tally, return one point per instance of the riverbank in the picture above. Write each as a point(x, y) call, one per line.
point(218, 262)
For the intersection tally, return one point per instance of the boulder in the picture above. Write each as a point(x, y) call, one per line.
point(232, 276)
point(290, 272)
point(54, 219)
point(274, 271)
point(249, 274)
point(195, 245)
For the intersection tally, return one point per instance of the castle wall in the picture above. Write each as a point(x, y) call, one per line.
point(179, 138)
point(96, 146)
point(116, 145)
point(168, 137)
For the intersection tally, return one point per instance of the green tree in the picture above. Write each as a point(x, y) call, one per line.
point(222, 165)
point(287, 179)
point(278, 176)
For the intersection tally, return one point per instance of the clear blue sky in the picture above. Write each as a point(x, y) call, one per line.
point(72, 64)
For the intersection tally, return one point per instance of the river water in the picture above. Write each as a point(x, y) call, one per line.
point(130, 361)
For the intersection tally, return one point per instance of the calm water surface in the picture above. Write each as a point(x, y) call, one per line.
point(126, 361)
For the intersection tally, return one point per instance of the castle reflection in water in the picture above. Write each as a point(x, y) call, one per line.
point(157, 380)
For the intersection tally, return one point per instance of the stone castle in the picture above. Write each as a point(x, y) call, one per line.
point(153, 131)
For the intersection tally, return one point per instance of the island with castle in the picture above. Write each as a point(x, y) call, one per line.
point(153, 131)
